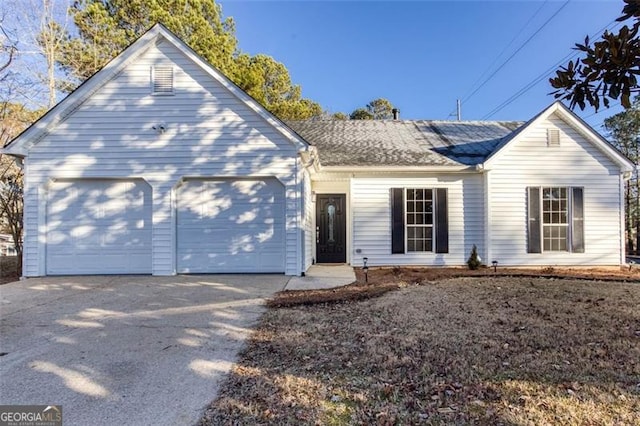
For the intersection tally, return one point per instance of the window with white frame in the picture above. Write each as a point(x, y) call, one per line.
point(555, 219)
point(419, 222)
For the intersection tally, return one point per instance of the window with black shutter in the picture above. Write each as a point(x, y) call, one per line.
point(555, 219)
point(419, 219)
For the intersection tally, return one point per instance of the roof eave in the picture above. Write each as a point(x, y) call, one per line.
point(20, 145)
point(398, 169)
point(587, 131)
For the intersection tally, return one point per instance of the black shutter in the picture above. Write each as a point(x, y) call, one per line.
point(397, 220)
point(577, 221)
point(442, 221)
point(533, 220)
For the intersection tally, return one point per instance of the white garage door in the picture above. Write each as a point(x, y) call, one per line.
point(99, 227)
point(231, 226)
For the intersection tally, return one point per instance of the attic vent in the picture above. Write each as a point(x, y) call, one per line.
point(553, 137)
point(162, 80)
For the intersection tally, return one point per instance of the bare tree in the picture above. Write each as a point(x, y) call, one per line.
point(8, 49)
point(49, 39)
point(41, 27)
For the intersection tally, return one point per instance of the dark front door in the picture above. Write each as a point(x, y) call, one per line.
point(331, 220)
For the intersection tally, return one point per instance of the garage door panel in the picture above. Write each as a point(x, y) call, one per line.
point(231, 226)
point(99, 227)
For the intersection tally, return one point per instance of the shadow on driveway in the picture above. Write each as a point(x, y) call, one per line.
point(125, 349)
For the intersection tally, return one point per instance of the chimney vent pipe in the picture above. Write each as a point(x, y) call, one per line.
point(396, 113)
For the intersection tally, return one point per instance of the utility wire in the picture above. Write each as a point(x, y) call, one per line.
point(545, 74)
point(602, 110)
point(486, 71)
point(517, 50)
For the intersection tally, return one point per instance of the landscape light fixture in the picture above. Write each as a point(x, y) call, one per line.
point(365, 269)
point(495, 265)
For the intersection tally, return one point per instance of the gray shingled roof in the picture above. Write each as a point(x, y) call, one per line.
point(403, 142)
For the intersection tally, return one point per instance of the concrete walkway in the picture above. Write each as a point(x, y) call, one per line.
point(125, 350)
point(323, 276)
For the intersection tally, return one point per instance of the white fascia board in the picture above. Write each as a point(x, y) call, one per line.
point(275, 122)
point(580, 126)
point(597, 139)
point(21, 144)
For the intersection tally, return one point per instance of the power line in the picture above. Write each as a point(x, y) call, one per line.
point(546, 73)
point(506, 47)
point(517, 50)
point(602, 110)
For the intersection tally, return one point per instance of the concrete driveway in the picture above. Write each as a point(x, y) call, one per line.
point(125, 350)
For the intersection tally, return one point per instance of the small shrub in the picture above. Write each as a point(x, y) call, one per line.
point(474, 260)
point(548, 270)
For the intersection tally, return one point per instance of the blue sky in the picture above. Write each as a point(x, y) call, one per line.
point(423, 55)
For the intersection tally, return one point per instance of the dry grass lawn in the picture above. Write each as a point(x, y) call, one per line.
point(466, 350)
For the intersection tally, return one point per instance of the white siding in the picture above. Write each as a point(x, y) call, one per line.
point(576, 162)
point(308, 222)
point(371, 216)
point(208, 132)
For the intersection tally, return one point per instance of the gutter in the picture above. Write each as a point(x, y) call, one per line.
point(399, 169)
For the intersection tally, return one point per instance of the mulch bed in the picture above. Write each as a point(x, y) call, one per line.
point(379, 281)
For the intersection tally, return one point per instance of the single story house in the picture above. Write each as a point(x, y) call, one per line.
point(159, 164)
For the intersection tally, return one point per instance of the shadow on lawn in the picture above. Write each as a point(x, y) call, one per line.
point(468, 350)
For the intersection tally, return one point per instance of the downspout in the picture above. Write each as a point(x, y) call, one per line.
point(305, 167)
point(624, 176)
point(487, 212)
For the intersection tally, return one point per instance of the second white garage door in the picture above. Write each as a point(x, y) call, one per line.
point(228, 226)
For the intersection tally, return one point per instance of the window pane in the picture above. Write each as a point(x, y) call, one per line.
point(562, 193)
point(562, 245)
point(562, 232)
point(428, 233)
point(419, 226)
point(555, 217)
